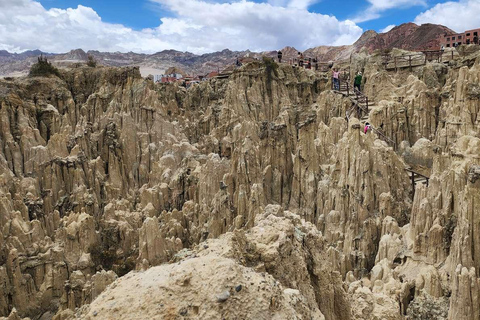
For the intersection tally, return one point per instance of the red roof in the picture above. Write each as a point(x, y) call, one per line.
point(212, 74)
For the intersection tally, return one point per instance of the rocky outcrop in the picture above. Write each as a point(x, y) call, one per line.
point(258, 180)
point(273, 271)
point(409, 36)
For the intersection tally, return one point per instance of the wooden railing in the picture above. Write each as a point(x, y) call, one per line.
point(404, 61)
point(384, 137)
point(361, 99)
point(343, 86)
point(438, 55)
point(312, 62)
point(416, 59)
point(416, 177)
point(360, 104)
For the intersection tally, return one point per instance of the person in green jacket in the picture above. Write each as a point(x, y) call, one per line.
point(358, 81)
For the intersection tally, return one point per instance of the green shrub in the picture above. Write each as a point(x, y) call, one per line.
point(271, 70)
point(91, 62)
point(43, 68)
point(271, 66)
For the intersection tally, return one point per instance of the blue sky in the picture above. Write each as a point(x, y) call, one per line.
point(145, 14)
point(202, 26)
point(135, 14)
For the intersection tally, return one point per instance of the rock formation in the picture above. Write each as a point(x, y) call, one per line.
point(251, 197)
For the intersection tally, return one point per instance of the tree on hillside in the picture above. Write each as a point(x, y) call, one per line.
point(43, 68)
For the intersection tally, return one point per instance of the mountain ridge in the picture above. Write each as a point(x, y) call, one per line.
point(407, 36)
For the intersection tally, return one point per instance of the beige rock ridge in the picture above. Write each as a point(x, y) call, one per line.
point(273, 271)
point(103, 174)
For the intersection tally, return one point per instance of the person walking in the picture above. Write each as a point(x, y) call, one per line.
point(358, 81)
point(279, 55)
point(336, 80)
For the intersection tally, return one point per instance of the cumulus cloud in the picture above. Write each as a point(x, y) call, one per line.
point(376, 8)
point(457, 15)
point(387, 28)
point(193, 25)
point(299, 4)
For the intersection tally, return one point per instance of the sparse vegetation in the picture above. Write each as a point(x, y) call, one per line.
point(43, 68)
point(92, 62)
point(271, 66)
point(271, 69)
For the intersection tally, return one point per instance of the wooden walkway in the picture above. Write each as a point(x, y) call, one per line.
point(360, 102)
point(416, 59)
point(361, 108)
point(416, 177)
point(360, 105)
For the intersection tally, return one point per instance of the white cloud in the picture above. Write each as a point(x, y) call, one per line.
point(194, 25)
point(390, 4)
point(457, 15)
point(299, 4)
point(387, 28)
point(378, 6)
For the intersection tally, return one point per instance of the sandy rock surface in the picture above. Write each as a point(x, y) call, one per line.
point(131, 199)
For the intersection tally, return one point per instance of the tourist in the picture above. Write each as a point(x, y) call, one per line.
point(279, 55)
point(336, 81)
point(358, 81)
point(367, 127)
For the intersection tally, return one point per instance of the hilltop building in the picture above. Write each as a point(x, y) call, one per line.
point(467, 37)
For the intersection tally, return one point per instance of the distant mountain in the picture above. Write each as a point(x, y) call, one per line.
point(408, 36)
point(74, 55)
point(23, 55)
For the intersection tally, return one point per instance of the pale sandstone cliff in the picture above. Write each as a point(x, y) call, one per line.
point(257, 180)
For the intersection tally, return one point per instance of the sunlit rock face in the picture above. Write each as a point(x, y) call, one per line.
point(252, 197)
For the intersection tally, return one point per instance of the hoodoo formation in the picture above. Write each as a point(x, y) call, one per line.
point(252, 195)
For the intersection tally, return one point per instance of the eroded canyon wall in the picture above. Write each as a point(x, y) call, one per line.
point(103, 172)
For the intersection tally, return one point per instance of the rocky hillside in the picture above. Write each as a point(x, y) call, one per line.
point(258, 196)
point(407, 36)
point(157, 63)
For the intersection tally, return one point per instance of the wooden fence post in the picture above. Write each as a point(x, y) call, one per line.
point(413, 185)
point(410, 62)
point(395, 60)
